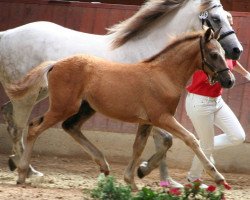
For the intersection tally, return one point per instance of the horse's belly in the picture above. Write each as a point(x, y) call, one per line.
point(127, 111)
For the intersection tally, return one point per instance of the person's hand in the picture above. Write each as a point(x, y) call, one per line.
point(247, 76)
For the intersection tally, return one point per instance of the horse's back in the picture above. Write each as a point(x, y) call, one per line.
point(25, 47)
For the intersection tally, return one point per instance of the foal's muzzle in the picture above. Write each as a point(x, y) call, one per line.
point(226, 80)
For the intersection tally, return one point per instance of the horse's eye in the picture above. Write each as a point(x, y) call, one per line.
point(214, 56)
point(216, 20)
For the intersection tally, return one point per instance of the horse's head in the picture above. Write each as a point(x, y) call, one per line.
point(215, 17)
point(213, 60)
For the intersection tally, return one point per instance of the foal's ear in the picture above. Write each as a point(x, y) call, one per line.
point(209, 34)
point(217, 34)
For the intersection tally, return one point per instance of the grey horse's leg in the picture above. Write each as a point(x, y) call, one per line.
point(142, 135)
point(163, 141)
point(16, 133)
point(73, 127)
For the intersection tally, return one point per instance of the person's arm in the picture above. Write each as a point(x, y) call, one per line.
point(241, 70)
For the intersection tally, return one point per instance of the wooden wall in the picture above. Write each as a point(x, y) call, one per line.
point(94, 18)
point(232, 5)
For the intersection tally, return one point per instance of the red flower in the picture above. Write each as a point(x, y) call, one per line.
point(175, 191)
point(211, 188)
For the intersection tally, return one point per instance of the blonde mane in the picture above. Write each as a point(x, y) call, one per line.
point(177, 40)
point(147, 15)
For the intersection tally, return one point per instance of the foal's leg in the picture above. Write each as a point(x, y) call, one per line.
point(171, 124)
point(73, 126)
point(36, 127)
point(16, 115)
point(142, 135)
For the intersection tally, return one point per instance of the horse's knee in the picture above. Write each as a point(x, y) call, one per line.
point(162, 137)
point(168, 140)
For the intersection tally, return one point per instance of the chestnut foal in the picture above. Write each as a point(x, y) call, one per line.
point(147, 93)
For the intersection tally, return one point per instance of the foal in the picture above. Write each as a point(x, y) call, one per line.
point(147, 93)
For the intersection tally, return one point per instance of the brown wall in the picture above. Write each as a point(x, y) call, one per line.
point(232, 5)
point(94, 18)
point(236, 5)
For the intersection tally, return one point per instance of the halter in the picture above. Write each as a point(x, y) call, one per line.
point(204, 18)
point(204, 62)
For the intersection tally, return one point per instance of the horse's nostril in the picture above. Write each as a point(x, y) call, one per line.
point(230, 83)
point(236, 50)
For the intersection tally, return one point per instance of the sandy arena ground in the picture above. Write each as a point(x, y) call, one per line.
point(71, 178)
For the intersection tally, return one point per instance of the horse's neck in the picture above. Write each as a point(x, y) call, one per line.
point(179, 63)
point(158, 36)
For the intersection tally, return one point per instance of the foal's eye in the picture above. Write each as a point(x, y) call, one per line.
point(214, 56)
point(216, 20)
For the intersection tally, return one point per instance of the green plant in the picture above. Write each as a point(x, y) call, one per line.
point(109, 189)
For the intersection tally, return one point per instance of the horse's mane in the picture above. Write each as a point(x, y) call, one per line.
point(175, 42)
point(149, 13)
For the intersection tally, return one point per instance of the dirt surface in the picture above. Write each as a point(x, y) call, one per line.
point(72, 178)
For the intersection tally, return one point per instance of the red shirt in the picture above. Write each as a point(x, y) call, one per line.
point(200, 84)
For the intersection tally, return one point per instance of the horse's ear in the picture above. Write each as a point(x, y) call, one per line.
point(209, 34)
point(217, 34)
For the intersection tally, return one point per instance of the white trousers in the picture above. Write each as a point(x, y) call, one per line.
point(205, 113)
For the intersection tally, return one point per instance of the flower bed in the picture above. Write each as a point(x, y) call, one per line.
point(109, 189)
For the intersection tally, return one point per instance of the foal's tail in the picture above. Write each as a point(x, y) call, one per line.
point(36, 78)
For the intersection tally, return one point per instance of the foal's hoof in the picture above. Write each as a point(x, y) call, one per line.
point(18, 183)
point(105, 172)
point(11, 164)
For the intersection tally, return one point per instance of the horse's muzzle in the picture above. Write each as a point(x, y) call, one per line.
point(236, 53)
point(226, 81)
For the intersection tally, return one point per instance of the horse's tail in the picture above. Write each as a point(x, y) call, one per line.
point(36, 78)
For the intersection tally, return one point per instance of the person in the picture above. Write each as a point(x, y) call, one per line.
point(206, 109)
